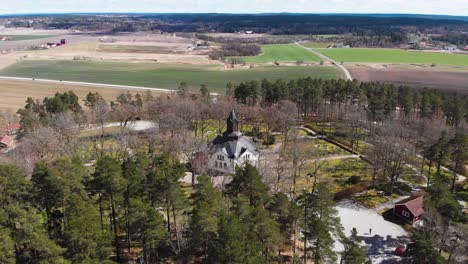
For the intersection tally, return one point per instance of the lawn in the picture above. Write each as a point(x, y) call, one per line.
point(159, 75)
point(394, 56)
point(282, 53)
point(30, 37)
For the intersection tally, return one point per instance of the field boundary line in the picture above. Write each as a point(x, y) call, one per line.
point(341, 67)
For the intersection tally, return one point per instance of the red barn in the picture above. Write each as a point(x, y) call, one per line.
point(6, 142)
point(11, 129)
point(410, 209)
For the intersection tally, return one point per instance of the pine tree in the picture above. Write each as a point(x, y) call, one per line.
point(353, 252)
point(247, 181)
point(147, 226)
point(110, 184)
point(207, 205)
point(322, 223)
point(422, 250)
point(85, 241)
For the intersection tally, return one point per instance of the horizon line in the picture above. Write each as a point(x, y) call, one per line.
point(220, 13)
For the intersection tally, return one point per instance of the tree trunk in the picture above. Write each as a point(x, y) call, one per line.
point(175, 228)
point(429, 173)
point(168, 212)
point(294, 243)
point(114, 222)
point(454, 181)
point(305, 234)
point(101, 212)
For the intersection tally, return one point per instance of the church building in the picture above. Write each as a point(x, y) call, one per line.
point(232, 149)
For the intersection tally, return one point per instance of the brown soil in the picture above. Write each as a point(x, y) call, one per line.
point(446, 79)
point(14, 93)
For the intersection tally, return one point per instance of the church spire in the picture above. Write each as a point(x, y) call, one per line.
point(232, 123)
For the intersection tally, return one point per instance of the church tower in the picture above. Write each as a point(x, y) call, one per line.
point(232, 123)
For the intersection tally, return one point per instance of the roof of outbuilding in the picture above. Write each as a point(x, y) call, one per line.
point(414, 203)
point(6, 140)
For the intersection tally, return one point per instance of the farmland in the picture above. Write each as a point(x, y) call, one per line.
point(446, 79)
point(159, 75)
point(283, 53)
point(371, 55)
point(14, 93)
point(29, 37)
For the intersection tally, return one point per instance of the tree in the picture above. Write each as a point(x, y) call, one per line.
point(322, 223)
point(421, 250)
point(48, 194)
point(390, 152)
point(353, 252)
point(205, 215)
point(286, 214)
point(444, 201)
point(92, 99)
point(85, 241)
point(110, 184)
point(204, 91)
point(164, 188)
point(247, 181)
point(233, 245)
point(31, 243)
point(459, 146)
point(147, 225)
point(7, 247)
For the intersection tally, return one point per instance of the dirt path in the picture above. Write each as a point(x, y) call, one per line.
point(341, 67)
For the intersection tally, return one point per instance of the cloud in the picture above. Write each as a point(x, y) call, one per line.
point(443, 7)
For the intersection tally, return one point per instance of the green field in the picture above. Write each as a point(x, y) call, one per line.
point(159, 75)
point(30, 37)
point(135, 49)
point(281, 52)
point(394, 56)
point(315, 45)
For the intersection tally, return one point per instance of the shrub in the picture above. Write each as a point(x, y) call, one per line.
point(353, 180)
point(348, 192)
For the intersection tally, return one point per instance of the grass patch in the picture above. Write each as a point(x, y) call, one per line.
point(324, 148)
point(394, 56)
point(370, 199)
point(318, 45)
point(335, 173)
point(159, 75)
point(283, 53)
point(30, 37)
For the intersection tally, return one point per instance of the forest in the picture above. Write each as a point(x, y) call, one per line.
point(73, 195)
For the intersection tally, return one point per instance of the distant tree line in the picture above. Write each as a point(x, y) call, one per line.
point(460, 39)
point(235, 50)
point(278, 24)
point(379, 100)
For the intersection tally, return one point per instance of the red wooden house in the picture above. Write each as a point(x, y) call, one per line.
point(410, 209)
point(6, 142)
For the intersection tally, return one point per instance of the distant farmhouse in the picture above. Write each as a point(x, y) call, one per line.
point(232, 149)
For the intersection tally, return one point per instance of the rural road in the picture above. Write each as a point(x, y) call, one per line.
point(341, 67)
point(103, 85)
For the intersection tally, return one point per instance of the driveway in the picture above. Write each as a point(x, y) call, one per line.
point(385, 236)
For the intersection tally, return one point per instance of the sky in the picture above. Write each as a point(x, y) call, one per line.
point(436, 7)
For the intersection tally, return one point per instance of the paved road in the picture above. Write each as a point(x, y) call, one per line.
point(102, 85)
point(341, 67)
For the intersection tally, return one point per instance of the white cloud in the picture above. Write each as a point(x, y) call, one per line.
point(451, 7)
